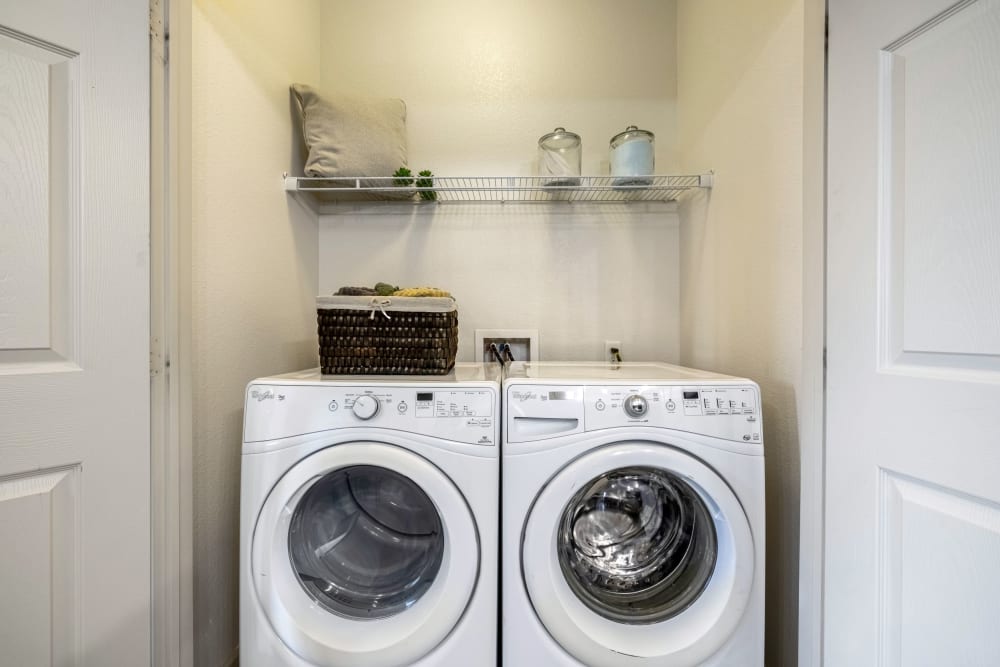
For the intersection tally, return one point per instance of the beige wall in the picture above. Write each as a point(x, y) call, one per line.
point(254, 266)
point(740, 86)
point(579, 274)
point(482, 81)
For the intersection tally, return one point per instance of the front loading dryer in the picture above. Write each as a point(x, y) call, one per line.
point(368, 515)
point(633, 517)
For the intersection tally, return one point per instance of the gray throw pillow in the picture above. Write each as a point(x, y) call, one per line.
point(349, 135)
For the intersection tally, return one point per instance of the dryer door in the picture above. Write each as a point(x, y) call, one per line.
point(364, 554)
point(638, 550)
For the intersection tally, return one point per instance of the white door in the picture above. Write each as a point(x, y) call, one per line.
point(912, 561)
point(364, 554)
point(638, 553)
point(74, 333)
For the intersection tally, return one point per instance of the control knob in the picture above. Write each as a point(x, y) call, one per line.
point(635, 406)
point(365, 407)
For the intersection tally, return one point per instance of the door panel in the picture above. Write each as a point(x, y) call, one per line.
point(39, 159)
point(938, 565)
point(74, 333)
point(913, 333)
point(24, 157)
point(41, 510)
point(940, 99)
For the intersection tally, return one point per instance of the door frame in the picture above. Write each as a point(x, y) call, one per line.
point(811, 396)
point(171, 432)
point(170, 346)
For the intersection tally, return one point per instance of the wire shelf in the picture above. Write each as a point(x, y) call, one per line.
point(498, 188)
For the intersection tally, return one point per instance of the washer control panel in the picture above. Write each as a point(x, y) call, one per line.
point(467, 415)
point(730, 411)
point(725, 411)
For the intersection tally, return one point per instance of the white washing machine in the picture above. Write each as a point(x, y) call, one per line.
point(633, 517)
point(369, 508)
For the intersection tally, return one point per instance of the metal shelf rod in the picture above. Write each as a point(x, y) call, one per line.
point(501, 188)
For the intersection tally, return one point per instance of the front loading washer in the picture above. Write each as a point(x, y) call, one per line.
point(633, 517)
point(368, 514)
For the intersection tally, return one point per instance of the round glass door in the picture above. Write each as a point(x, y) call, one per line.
point(637, 545)
point(638, 550)
point(364, 554)
point(365, 542)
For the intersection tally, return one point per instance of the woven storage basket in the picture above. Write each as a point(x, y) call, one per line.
point(397, 335)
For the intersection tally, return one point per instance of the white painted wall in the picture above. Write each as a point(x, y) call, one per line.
point(740, 86)
point(580, 274)
point(254, 266)
point(482, 82)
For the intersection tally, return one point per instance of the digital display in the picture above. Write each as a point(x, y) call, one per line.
point(425, 396)
point(690, 395)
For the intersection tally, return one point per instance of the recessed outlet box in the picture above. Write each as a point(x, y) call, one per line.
point(613, 351)
point(523, 343)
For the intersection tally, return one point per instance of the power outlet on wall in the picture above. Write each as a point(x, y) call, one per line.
point(523, 343)
point(613, 351)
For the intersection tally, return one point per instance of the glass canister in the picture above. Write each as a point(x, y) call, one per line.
point(559, 154)
point(632, 156)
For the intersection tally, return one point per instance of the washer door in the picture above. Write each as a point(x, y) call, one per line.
point(364, 554)
point(637, 550)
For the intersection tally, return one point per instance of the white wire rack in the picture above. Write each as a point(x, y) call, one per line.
point(498, 188)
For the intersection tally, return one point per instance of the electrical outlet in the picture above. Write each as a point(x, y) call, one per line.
point(613, 351)
point(523, 343)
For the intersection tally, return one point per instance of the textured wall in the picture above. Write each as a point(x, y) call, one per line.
point(579, 274)
point(254, 266)
point(482, 81)
point(740, 88)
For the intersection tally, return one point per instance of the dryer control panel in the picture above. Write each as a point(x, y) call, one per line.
point(729, 411)
point(466, 414)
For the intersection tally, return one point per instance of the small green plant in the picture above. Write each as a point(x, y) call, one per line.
point(385, 289)
point(426, 182)
point(402, 178)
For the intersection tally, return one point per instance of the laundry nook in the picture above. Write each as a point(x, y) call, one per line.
point(570, 333)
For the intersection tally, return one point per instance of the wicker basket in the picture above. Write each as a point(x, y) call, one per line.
point(362, 335)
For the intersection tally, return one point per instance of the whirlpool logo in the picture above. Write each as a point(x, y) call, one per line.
point(524, 395)
point(265, 395)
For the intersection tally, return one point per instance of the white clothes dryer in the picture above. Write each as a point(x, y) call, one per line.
point(369, 508)
point(633, 517)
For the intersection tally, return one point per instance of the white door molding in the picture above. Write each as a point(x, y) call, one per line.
point(811, 398)
point(170, 330)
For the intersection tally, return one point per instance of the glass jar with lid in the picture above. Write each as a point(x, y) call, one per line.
point(559, 154)
point(632, 156)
